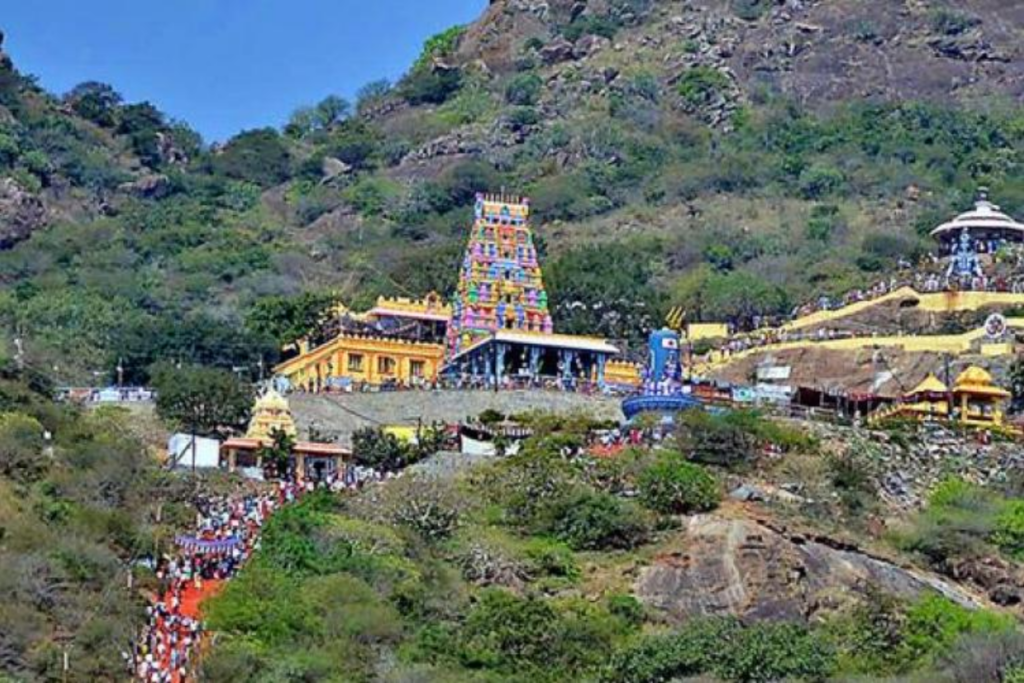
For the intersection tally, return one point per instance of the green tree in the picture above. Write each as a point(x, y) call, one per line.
point(700, 85)
point(720, 440)
point(674, 486)
point(287, 319)
point(278, 452)
point(97, 102)
point(256, 156)
point(439, 45)
point(591, 520)
point(21, 448)
point(202, 400)
point(428, 85)
point(372, 94)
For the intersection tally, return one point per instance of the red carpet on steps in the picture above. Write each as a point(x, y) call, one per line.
point(192, 597)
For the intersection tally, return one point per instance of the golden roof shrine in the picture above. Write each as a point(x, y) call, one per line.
point(270, 414)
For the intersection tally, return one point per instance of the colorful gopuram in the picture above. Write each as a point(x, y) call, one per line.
point(500, 282)
point(501, 330)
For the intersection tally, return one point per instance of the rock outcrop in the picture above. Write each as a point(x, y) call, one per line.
point(749, 569)
point(21, 213)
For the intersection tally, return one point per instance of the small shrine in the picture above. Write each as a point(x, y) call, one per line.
point(977, 401)
point(271, 415)
point(974, 400)
point(929, 399)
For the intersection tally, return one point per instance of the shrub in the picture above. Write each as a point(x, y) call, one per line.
point(256, 156)
point(723, 647)
point(439, 45)
point(627, 608)
point(951, 22)
point(595, 25)
point(21, 448)
point(820, 181)
point(934, 624)
point(524, 90)
point(1008, 534)
point(957, 522)
point(589, 520)
point(507, 632)
point(700, 85)
point(769, 651)
point(674, 486)
point(750, 10)
point(715, 439)
point(426, 85)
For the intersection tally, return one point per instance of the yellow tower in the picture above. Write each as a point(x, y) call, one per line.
point(271, 413)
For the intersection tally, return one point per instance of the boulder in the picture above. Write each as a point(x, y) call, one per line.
point(559, 50)
point(588, 45)
point(332, 168)
point(152, 186)
point(21, 213)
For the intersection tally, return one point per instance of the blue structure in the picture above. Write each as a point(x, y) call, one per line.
point(663, 390)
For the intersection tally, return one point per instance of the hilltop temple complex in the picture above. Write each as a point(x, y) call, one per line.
point(497, 331)
point(884, 350)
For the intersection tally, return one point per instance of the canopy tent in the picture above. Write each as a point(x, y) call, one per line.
point(219, 546)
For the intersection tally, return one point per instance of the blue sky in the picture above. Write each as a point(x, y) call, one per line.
point(224, 65)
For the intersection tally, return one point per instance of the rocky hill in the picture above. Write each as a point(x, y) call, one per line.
point(733, 158)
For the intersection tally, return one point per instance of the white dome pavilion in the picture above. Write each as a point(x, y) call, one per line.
point(985, 221)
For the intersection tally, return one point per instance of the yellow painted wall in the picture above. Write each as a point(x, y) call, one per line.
point(336, 359)
point(699, 331)
point(935, 302)
point(955, 344)
point(622, 372)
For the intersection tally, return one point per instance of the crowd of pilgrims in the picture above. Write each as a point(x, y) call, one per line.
point(227, 532)
point(927, 276)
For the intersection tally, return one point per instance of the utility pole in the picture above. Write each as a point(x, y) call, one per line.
point(120, 373)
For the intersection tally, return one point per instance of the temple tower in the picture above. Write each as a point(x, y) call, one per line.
point(500, 281)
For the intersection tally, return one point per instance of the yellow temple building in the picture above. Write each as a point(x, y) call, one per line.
point(399, 343)
point(272, 414)
point(974, 400)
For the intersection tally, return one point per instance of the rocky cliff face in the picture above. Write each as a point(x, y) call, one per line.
point(749, 569)
point(813, 51)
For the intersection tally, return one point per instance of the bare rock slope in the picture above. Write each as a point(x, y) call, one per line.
point(746, 568)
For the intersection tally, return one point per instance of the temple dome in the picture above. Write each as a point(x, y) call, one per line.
point(930, 385)
point(975, 380)
point(272, 401)
point(985, 217)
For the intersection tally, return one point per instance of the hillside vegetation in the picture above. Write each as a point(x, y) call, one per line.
point(732, 158)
